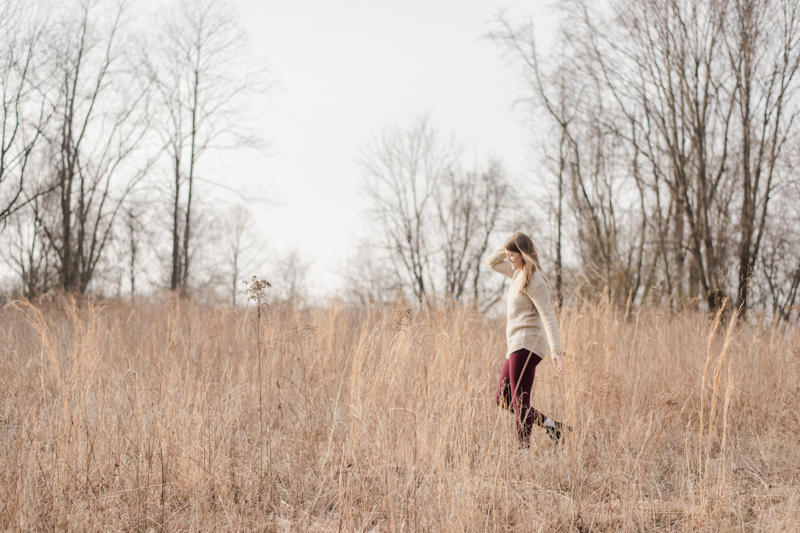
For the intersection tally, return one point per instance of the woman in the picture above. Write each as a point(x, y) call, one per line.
point(529, 318)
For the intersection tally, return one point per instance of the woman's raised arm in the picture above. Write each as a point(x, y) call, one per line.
point(496, 261)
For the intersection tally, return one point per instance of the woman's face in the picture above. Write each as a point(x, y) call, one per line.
point(515, 259)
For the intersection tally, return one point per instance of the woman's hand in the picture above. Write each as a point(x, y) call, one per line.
point(558, 362)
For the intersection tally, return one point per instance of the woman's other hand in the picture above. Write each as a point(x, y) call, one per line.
point(558, 362)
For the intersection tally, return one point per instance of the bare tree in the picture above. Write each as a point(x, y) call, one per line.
point(369, 277)
point(682, 107)
point(764, 50)
point(290, 272)
point(203, 79)
point(468, 207)
point(584, 154)
point(242, 249)
point(676, 96)
point(776, 280)
point(236, 226)
point(403, 169)
point(780, 271)
point(100, 121)
point(27, 252)
point(24, 113)
point(434, 220)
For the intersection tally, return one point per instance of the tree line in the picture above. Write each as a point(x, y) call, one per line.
point(665, 165)
point(432, 219)
point(670, 135)
point(109, 116)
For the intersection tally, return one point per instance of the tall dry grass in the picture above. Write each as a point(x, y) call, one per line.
point(152, 417)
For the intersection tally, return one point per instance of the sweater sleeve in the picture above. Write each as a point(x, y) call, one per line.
point(539, 293)
point(496, 262)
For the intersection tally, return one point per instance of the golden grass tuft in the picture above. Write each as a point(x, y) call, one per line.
point(152, 417)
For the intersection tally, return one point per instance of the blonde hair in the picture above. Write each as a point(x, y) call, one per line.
point(523, 245)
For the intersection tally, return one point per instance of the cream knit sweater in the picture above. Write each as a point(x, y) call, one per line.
point(529, 312)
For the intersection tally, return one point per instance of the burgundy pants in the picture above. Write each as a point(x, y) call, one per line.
point(514, 392)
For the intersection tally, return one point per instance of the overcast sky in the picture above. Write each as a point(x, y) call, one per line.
point(348, 69)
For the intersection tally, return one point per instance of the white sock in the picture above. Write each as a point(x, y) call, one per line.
point(549, 423)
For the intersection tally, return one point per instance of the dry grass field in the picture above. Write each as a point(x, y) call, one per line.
point(174, 416)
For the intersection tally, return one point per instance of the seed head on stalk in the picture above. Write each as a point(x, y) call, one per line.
point(257, 292)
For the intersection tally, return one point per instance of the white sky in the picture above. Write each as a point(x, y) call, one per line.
point(349, 69)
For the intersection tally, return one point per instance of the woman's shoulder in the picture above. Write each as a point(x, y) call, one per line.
point(538, 281)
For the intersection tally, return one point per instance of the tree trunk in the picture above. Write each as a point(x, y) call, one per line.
point(176, 230)
point(559, 221)
point(193, 146)
point(747, 216)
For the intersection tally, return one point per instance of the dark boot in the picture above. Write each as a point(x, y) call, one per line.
point(557, 432)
